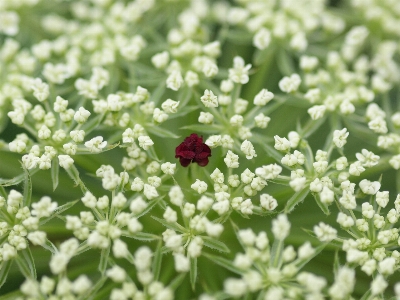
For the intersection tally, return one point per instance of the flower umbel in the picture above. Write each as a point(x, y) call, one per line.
point(192, 149)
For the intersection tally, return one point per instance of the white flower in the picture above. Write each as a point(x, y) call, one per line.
point(116, 274)
point(367, 158)
point(242, 261)
point(262, 38)
point(344, 283)
point(44, 132)
point(356, 168)
point(340, 137)
point(305, 250)
point(344, 220)
point(308, 63)
point(317, 111)
point(235, 287)
point(44, 207)
point(170, 215)
point(81, 285)
point(281, 144)
point(248, 149)
point(327, 195)
point(369, 187)
point(378, 285)
point(40, 89)
point(324, 232)
point(263, 97)
point(58, 262)
point(268, 202)
point(387, 266)
point(77, 135)
point(37, 237)
point(9, 22)
point(395, 162)
point(145, 142)
point(134, 225)
point(160, 60)
point(159, 116)
point(174, 80)
point(382, 198)
point(239, 72)
point(191, 78)
point(149, 191)
point(199, 186)
point(290, 84)
point(209, 99)
point(221, 207)
point(281, 227)
point(143, 256)
point(231, 160)
point(65, 161)
point(262, 120)
point(17, 146)
point(89, 200)
point(204, 203)
point(56, 73)
point(182, 263)
point(168, 168)
point(206, 118)
point(170, 106)
point(209, 69)
point(96, 144)
point(195, 247)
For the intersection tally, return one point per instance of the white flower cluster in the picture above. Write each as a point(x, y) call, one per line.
point(293, 102)
point(273, 270)
point(21, 225)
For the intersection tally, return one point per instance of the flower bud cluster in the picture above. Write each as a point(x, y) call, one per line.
point(21, 225)
point(273, 273)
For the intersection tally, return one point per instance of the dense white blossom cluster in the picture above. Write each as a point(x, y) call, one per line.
point(208, 149)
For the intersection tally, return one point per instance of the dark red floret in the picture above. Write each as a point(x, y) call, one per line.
point(192, 149)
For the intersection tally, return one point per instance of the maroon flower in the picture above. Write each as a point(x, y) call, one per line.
point(193, 150)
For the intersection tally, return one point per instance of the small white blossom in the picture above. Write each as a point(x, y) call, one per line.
point(174, 80)
point(317, 111)
point(262, 120)
point(369, 187)
point(248, 149)
point(378, 285)
point(263, 97)
point(44, 207)
point(182, 263)
point(145, 142)
point(160, 60)
point(290, 84)
point(231, 160)
point(356, 168)
point(239, 72)
point(209, 99)
point(324, 232)
point(81, 115)
point(195, 247)
point(281, 144)
point(96, 144)
point(149, 191)
point(262, 38)
point(235, 287)
point(382, 198)
point(65, 161)
point(281, 227)
point(116, 274)
point(268, 202)
point(199, 186)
